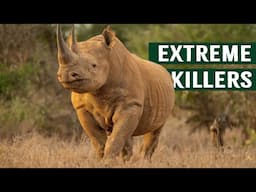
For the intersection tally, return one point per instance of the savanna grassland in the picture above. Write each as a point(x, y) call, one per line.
point(177, 149)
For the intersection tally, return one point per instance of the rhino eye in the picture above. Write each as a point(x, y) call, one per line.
point(94, 65)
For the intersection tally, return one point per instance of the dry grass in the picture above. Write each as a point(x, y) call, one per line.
point(176, 149)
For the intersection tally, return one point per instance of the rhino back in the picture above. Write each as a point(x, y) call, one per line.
point(159, 96)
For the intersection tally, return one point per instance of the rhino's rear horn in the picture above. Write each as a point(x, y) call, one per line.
point(64, 52)
point(71, 40)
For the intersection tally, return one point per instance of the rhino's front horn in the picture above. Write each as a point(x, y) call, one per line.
point(64, 53)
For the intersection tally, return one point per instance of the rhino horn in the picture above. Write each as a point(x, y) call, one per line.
point(64, 52)
point(71, 41)
point(73, 38)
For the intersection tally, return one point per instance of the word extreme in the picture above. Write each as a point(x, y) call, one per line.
point(189, 53)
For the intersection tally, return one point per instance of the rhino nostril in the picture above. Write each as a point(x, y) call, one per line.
point(74, 74)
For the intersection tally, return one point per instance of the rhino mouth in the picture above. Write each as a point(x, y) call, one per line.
point(74, 81)
point(76, 85)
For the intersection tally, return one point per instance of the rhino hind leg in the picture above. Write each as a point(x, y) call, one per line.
point(127, 150)
point(150, 142)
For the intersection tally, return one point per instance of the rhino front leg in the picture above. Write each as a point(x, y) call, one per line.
point(94, 132)
point(125, 122)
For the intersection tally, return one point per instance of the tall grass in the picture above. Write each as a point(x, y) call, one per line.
point(176, 149)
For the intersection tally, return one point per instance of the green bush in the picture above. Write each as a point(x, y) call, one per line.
point(16, 80)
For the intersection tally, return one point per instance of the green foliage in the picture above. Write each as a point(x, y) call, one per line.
point(20, 109)
point(12, 80)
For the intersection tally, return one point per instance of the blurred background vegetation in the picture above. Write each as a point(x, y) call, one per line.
point(32, 99)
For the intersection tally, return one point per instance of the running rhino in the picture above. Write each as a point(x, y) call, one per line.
point(115, 93)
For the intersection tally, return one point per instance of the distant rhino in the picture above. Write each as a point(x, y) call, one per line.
point(115, 93)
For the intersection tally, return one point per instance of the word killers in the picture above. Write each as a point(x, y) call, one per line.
point(237, 79)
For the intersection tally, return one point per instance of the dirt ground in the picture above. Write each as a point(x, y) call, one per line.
point(177, 149)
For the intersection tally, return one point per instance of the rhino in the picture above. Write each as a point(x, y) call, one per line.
point(116, 94)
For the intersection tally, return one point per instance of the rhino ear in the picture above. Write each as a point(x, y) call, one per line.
point(108, 35)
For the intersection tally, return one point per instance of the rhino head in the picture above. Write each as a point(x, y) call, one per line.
point(83, 66)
